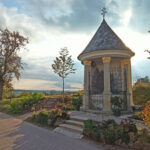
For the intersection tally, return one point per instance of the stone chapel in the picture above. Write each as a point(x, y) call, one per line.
point(107, 71)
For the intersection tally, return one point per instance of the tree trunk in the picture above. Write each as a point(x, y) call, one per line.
point(1, 90)
point(63, 92)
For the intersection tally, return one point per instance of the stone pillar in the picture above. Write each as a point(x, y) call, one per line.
point(129, 83)
point(86, 96)
point(107, 92)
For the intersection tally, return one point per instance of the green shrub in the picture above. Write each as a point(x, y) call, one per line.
point(116, 105)
point(88, 127)
point(137, 116)
point(110, 132)
point(64, 115)
point(141, 93)
point(144, 136)
point(49, 117)
point(25, 103)
point(5, 106)
point(42, 117)
point(97, 133)
point(76, 101)
point(16, 106)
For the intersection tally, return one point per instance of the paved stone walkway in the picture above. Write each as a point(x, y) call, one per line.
point(15, 134)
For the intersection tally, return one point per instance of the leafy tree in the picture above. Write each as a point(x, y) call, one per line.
point(63, 65)
point(10, 62)
point(141, 93)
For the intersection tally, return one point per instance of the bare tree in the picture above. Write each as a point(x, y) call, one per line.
point(10, 62)
point(63, 65)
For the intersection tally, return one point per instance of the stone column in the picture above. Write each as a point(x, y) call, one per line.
point(107, 92)
point(129, 83)
point(86, 96)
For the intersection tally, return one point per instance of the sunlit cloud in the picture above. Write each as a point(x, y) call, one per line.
point(51, 25)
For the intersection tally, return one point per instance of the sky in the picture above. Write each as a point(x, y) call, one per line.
point(51, 25)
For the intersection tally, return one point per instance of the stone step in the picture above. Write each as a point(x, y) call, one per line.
point(78, 118)
point(68, 133)
point(75, 123)
point(72, 128)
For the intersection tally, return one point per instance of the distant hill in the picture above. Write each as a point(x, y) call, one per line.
point(18, 91)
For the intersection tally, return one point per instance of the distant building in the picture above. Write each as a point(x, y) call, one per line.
point(143, 80)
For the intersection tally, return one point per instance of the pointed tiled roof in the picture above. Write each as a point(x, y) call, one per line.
point(105, 39)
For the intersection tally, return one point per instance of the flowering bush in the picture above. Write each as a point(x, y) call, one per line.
point(49, 117)
point(64, 106)
point(110, 132)
point(146, 113)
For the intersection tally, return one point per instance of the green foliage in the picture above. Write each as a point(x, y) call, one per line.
point(63, 65)
point(128, 127)
point(144, 136)
point(5, 106)
point(137, 116)
point(141, 93)
point(11, 64)
point(109, 131)
point(42, 117)
point(49, 117)
point(25, 103)
point(8, 93)
point(88, 127)
point(16, 106)
point(76, 101)
point(116, 103)
point(112, 135)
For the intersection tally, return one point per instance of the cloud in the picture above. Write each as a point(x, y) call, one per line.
point(140, 19)
point(41, 69)
point(51, 25)
point(140, 69)
point(34, 84)
point(74, 15)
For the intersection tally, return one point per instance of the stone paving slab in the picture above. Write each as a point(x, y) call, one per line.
point(16, 134)
point(97, 117)
point(68, 133)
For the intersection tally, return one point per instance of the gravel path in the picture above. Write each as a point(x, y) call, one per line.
point(16, 134)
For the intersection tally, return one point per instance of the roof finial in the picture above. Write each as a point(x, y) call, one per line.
point(103, 12)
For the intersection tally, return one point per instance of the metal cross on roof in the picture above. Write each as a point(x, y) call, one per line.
point(104, 12)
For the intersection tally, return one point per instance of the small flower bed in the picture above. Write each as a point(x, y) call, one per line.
point(64, 106)
point(112, 133)
point(49, 117)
